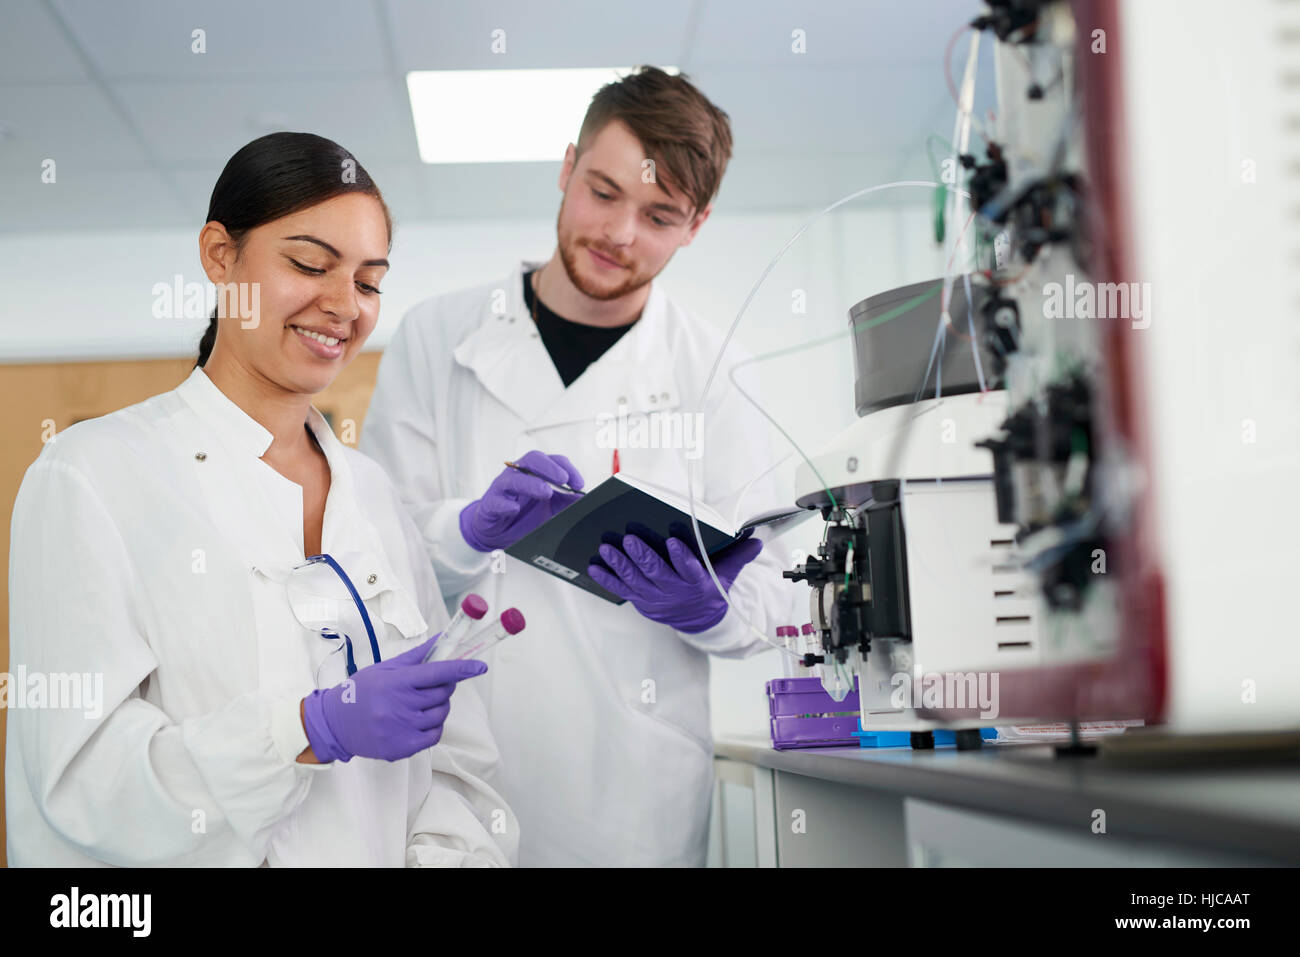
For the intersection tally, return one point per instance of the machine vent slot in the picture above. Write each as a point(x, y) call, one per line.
point(1288, 46)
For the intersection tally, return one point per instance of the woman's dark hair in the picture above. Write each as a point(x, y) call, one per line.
point(274, 176)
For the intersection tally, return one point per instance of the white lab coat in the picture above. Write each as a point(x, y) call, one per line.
point(601, 715)
point(150, 546)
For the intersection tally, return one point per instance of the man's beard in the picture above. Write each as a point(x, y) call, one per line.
point(569, 258)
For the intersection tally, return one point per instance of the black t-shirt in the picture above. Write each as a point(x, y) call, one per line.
point(572, 345)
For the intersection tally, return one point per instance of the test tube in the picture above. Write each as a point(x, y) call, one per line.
point(472, 609)
point(787, 635)
point(510, 623)
point(837, 678)
point(808, 641)
point(808, 631)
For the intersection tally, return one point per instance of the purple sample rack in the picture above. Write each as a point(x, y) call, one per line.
point(790, 701)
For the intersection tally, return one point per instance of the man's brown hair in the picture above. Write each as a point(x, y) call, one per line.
point(688, 137)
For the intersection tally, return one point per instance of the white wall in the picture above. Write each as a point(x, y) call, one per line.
point(90, 296)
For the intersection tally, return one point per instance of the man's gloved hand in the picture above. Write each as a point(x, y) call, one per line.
point(677, 592)
point(390, 710)
point(515, 503)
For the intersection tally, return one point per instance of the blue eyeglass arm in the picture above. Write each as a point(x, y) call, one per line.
point(347, 646)
point(365, 615)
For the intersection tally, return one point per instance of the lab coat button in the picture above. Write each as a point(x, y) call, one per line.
point(201, 456)
point(664, 396)
point(372, 579)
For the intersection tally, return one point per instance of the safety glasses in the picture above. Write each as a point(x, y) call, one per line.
point(325, 602)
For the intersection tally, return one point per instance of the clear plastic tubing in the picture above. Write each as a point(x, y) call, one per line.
point(510, 623)
point(472, 609)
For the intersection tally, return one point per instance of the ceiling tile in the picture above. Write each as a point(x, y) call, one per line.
point(840, 109)
point(855, 109)
point(809, 181)
point(193, 122)
point(404, 190)
point(85, 197)
point(449, 35)
point(401, 183)
point(33, 48)
point(732, 32)
point(63, 121)
point(242, 37)
point(470, 191)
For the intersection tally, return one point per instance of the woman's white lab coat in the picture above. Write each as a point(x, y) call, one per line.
point(601, 715)
point(150, 546)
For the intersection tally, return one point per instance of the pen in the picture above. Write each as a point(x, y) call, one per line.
point(559, 485)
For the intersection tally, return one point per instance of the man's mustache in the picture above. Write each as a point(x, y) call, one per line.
point(607, 253)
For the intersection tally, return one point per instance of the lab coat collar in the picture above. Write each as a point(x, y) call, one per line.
point(340, 470)
point(217, 409)
point(267, 546)
point(246, 435)
point(505, 343)
point(508, 357)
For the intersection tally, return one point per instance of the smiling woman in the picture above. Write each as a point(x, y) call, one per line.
point(297, 216)
point(164, 566)
point(296, 227)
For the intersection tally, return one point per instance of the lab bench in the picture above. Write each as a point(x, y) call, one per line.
point(1004, 805)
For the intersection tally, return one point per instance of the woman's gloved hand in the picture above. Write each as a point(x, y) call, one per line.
point(678, 592)
point(390, 710)
point(516, 503)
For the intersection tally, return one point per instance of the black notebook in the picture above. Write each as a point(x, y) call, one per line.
point(566, 544)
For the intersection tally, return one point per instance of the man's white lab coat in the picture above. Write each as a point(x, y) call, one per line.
point(601, 715)
point(150, 547)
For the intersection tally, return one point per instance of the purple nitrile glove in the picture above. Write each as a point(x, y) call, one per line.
point(516, 503)
point(390, 710)
point(680, 594)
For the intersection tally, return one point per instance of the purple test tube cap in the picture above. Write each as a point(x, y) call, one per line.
point(808, 629)
point(474, 606)
point(512, 620)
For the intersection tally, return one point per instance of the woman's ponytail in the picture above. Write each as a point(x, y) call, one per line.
point(208, 341)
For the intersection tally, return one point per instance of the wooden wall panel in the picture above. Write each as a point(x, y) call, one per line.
point(64, 393)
